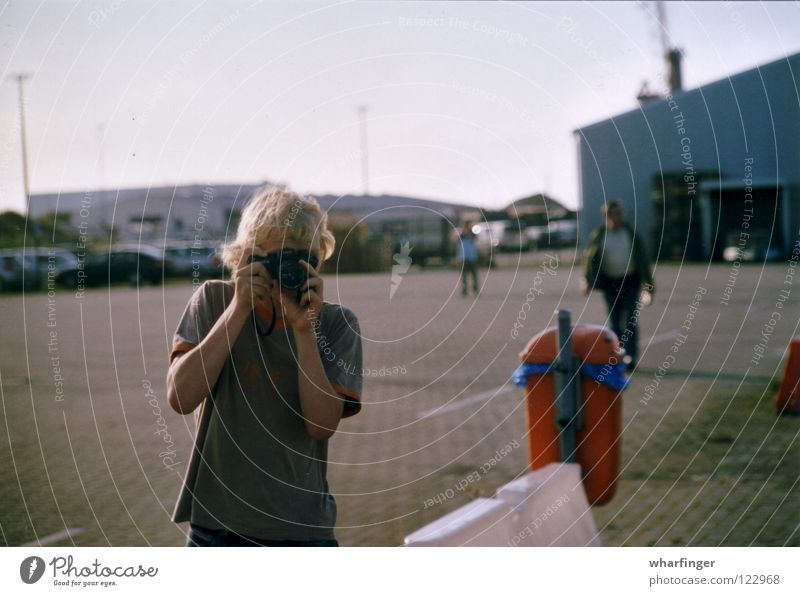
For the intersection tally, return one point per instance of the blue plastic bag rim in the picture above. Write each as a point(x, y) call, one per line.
point(611, 375)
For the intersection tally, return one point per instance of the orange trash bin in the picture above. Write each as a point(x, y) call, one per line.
point(597, 425)
point(787, 400)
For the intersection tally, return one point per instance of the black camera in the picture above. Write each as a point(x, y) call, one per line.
point(284, 266)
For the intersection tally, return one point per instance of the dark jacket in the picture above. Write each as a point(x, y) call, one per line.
point(593, 256)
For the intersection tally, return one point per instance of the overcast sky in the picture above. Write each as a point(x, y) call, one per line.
point(469, 102)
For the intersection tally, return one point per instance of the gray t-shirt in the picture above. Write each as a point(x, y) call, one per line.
point(254, 468)
point(617, 258)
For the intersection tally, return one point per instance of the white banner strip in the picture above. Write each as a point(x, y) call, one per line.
point(400, 571)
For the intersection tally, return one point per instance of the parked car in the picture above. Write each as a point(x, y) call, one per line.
point(756, 249)
point(513, 238)
point(18, 270)
point(538, 236)
point(187, 259)
point(61, 262)
point(136, 264)
point(563, 232)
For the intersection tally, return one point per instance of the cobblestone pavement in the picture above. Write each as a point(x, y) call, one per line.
point(706, 461)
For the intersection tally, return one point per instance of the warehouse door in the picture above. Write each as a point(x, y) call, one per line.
point(743, 220)
point(677, 232)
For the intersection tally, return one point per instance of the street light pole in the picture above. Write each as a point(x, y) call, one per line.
point(101, 170)
point(21, 78)
point(362, 113)
point(101, 162)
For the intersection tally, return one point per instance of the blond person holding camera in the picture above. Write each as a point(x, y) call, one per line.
point(269, 369)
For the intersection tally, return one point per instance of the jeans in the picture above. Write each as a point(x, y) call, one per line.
point(469, 268)
point(200, 536)
point(622, 298)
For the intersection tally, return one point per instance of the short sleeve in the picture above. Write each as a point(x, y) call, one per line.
point(197, 320)
point(339, 343)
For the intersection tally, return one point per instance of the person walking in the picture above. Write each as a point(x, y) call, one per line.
point(616, 263)
point(467, 256)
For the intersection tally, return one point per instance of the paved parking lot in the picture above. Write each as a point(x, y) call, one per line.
point(91, 445)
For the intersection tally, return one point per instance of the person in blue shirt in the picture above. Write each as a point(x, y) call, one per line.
point(467, 256)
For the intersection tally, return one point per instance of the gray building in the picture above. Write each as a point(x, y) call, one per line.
point(211, 213)
point(190, 212)
point(703, 169)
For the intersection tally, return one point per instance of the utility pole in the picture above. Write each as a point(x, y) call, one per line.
point(21, 78)
point(101, 162)
point(100, 193)
point(362, 114)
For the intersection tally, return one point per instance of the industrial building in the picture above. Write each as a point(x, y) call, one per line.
point(698, 171)
point(371, 227)
point(185, 212)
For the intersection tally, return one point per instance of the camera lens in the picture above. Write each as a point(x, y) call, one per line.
point(292, 275)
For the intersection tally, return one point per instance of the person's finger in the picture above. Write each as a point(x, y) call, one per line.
point(314, 283)
point(311, 298)
point(311, 271)
point(243, 258)
point(256, 272)
point(247, 252)
point(258, 283)
point(304, 298)
point(252, 271)
point(251, 277)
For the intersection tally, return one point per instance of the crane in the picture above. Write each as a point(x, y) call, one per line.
point(658, 12)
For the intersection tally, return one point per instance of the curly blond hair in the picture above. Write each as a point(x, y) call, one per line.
point(275, 212)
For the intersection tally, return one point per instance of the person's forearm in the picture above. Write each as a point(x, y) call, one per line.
point(192, 375)
point(321, 406)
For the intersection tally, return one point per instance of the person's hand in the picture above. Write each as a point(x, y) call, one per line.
point(646, 295)
point(302, 316)
point(584, 285)
point(251, 281)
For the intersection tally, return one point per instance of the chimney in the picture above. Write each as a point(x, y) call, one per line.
point(675, 81)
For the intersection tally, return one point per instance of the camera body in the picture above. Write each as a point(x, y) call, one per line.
point(284, 266)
